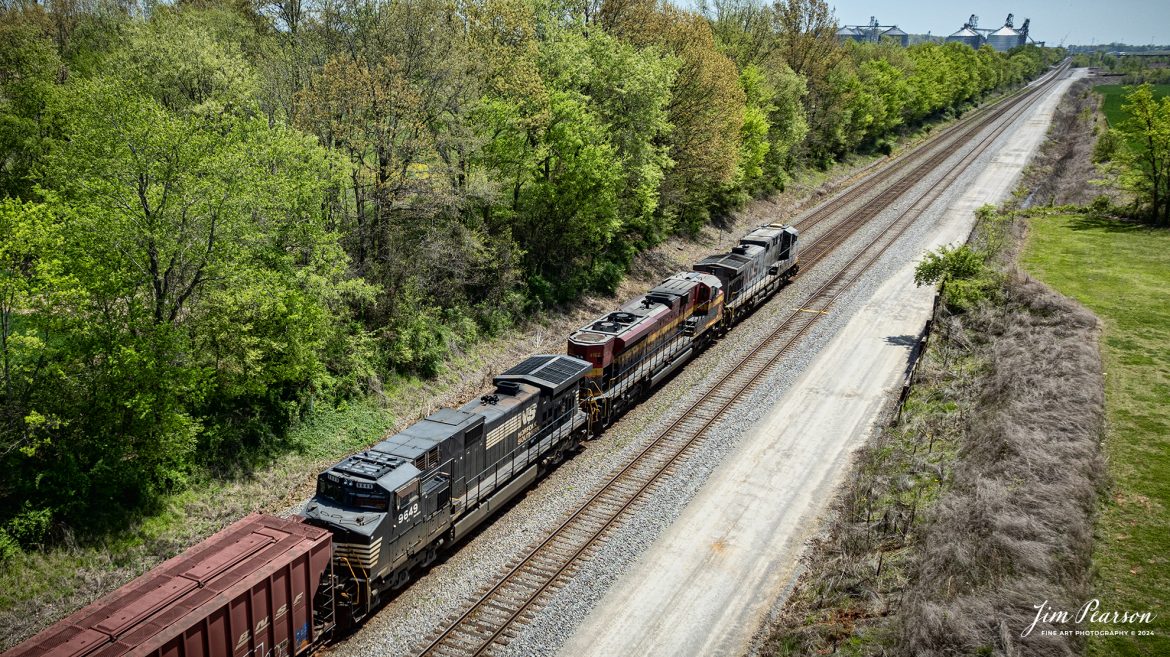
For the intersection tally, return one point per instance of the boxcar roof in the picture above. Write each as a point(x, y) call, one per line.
point(171, 597)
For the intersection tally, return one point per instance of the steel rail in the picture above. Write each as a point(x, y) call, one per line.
point(956, 133)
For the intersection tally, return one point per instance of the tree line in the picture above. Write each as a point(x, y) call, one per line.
point(1154, 69)
point(218, 214)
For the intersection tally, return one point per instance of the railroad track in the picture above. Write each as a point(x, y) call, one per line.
point(492, 620)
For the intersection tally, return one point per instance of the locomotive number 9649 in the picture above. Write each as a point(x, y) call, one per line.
point(408, 513)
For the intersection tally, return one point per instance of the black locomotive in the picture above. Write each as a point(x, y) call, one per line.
point(392, 507)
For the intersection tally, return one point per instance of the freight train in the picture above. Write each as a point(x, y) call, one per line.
point(393, 507)
point(269, 586)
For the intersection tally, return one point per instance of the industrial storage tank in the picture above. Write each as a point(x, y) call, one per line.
point(847, 33)
point(967, 36)
point(898, 35)
point(1005, 38)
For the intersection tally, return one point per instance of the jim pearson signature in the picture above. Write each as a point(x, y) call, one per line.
point(1090, 611)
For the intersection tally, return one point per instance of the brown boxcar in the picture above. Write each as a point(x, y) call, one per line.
point(247, 591)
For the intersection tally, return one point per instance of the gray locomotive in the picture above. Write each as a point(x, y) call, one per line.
point(636, 347)
point(762, 262)
point(392, 507)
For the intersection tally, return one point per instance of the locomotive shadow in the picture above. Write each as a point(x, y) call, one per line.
point(903, 340)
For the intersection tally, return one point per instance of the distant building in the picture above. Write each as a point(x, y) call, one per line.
point(847, 33)
point(898, 35)
point(967, 36)
point(969, 33)
point(872, 33)
point(1003, 39)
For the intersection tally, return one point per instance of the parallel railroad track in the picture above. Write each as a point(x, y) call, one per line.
point(491, 621)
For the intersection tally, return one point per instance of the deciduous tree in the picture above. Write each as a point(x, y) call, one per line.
point(1147, 159)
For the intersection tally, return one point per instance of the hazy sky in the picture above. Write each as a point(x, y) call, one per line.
point(1079, 22)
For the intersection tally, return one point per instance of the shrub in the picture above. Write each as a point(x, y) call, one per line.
point(963, 272)
point(9, 547)
point(1106, 146)
point(416, 338)
point(1101, 206)
point(29, 528)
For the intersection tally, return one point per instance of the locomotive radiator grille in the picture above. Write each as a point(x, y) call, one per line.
point(357, 555)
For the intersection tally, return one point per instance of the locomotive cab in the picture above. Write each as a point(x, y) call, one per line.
point(389, 505)
point(779, 240)
point(633, 349)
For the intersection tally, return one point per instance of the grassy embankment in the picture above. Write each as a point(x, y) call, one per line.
point(977, 503)
point(1121, 272)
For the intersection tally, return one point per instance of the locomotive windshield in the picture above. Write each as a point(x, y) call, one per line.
point(374, 499)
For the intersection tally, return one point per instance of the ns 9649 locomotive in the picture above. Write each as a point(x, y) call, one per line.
point(392, 507)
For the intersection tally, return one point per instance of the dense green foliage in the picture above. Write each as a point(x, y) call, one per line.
point(1137, 145)
point(965, 273)
point(1133, 69)
point(215, 216)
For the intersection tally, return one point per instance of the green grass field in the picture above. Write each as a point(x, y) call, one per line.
point(1122, 272)
point(1114, 97)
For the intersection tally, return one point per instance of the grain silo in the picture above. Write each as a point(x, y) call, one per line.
point(968, 34)
point(898, 35)
point(1006, 37)
point(847, 33)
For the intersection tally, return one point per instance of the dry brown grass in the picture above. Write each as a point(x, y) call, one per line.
point(1015, 527)
point(1063, 172)
point(976, 505)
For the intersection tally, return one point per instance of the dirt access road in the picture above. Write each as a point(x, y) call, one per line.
point(708, 583)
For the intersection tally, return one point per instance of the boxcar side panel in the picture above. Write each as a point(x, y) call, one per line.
point(247, 591)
